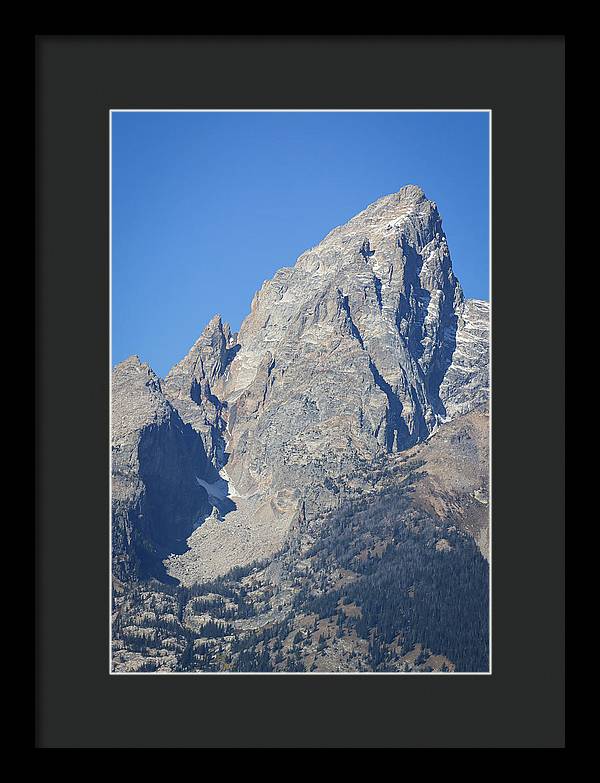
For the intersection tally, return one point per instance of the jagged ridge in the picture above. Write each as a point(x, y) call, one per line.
point(363, 347)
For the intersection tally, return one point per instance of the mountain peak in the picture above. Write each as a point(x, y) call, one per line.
point(343, 357)
point(411, 193)
point(131, 361)
point(214, 323)
point(216, 329)
point(134, 366)
point(278, 447)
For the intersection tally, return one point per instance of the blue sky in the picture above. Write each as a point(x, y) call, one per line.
point(206, 206)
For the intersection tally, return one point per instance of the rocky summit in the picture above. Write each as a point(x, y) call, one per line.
point(360, 373)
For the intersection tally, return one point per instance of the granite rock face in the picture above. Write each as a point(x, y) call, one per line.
point(345, 352)
point(194, 383)
point(466, 383)
point(156, 459)
point(365, 347)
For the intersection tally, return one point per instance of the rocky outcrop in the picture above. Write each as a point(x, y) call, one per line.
point(194, 385)
point(357, 335)
point(156, 459)
point(344, 354)
point(466, 382)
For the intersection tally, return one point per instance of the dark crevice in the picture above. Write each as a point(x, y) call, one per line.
point(396, 428)
point(365, 250)
point(377, 284)
point(353, 330)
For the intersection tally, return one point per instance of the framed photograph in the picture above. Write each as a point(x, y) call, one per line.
point(306, 475)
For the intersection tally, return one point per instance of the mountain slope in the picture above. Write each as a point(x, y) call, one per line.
point(391, 580)
point(280, 481)
point(353, 340)
point(357, 350)
point(156, 499)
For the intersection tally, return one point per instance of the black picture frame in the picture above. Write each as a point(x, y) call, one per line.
point(78, 80)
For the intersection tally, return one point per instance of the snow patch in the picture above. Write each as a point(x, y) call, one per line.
point(218, 490)
point(221, 489)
